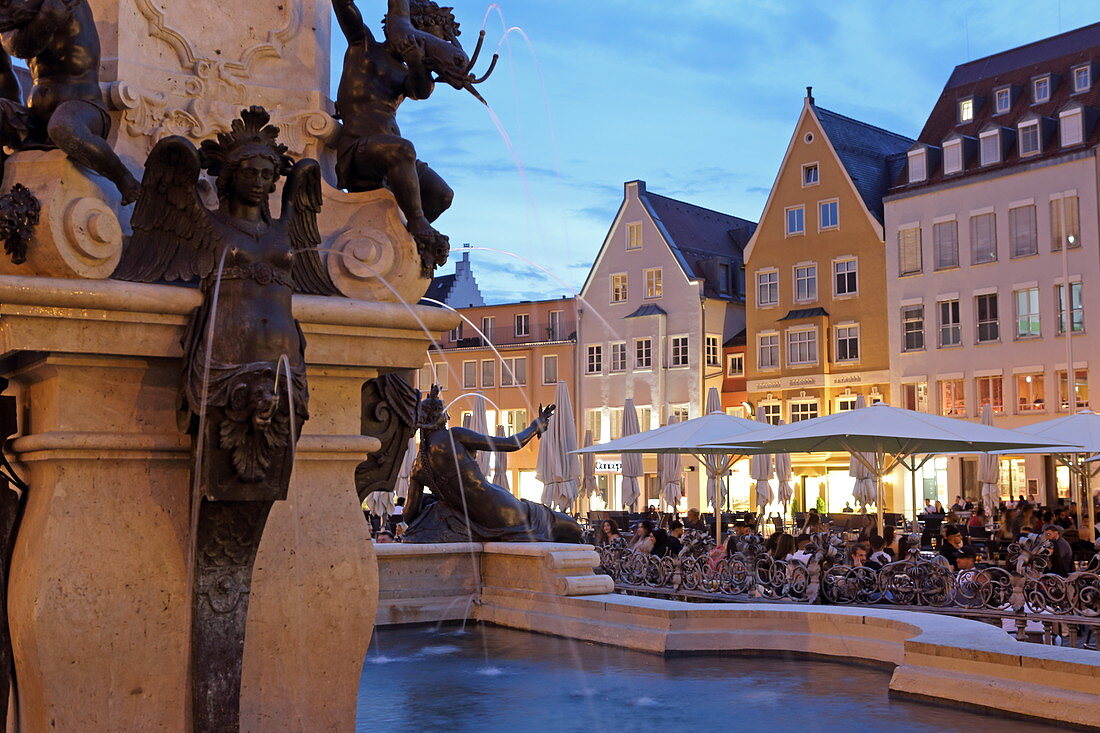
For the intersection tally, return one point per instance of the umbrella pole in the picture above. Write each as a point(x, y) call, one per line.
point(1090, 530)
point(880, 493)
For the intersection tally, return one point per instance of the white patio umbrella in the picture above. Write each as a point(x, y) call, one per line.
point(989, 470)
point(558, 467)
point(479, 423)
point(380, 503)
point(716, 464)
point(632, 462)
point(401, 488)
point(760, 471)
point(891, 435)
point(865, 490)
point(693, 437)
point(668, 471)
point(500, 463)
point(588, 467)
point(785, 492)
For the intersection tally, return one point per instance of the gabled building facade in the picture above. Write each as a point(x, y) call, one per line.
point(817, 323)
point(664, 296)
point(995, 212)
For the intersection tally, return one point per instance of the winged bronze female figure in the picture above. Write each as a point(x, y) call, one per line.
point(244, 394)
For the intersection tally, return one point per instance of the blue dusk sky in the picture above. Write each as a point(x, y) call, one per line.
point(696, 97)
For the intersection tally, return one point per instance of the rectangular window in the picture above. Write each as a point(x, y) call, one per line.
point(1029, 138)
point(991, 392)
point(441, 375)
point(1082, 78)
point(1065, 223)
point(488, 373)
point(983, 239)
point(487, 328)
point(810, 174)
point(654, 286)
point(469, 375)
point(805, 283)
point(952, 397)
point(847, 343)
point(912, 327)
point(643, 353)
point(513, 372)
point(1030, 392)
point(594, 362)
point(914, 396)
point(713, 351)
point(618, 357)
point(828, 214)
point(1027, 313)
point(1071, 127)
point(952, 157)
point(594, 424)
point(1080, 388)
point(989, 324)
point(515, 421)
point(618, 287)
point(773, 412)
point(767, 351)
point(909, 254)
point(803, 411)
point(735, 365)
point(801, 347)
point(634, 235)
point(550, 369)
point(456, 332)
point(950, 325)
point(1040, 90)
point(1002, 100)
point(918, 166)
point(1022, 236)
point(796, 220)
point(523, 324)
point(990, 148)
point(645, 418)
point(846, 403)
point(1076, 307)
point(966, 109)
point(615, 415)
point(554, 327)
point(845, 277)
point(767, 288)
point(945, 243)
point(679, 413)
point(679, 351)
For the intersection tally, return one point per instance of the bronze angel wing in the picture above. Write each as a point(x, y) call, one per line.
point(173, 238)
point(301, 204)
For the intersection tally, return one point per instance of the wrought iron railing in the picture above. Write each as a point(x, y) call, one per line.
point(1024, 592)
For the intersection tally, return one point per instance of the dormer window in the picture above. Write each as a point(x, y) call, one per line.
point(1029, 138)
point(1040, 90)
point(952, 156)
point(1071, 126)
point(918, 165)
point(1002, 100)
point(966, 110)
point(990, 143)
point(1082, 78)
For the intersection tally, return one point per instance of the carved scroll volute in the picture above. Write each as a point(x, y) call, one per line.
point(389, 411)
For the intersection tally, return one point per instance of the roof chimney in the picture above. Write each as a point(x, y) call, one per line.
point(810, 95)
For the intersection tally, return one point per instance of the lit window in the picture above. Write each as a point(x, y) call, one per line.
point(618, 288)
point(801, 347)
point(767, 351)
point(735, 365)
point(1071, 127)
point(643, 353)
point(1065, 223)
point(950, 324)
point(713, 352)
point(847, 343)
point(1030, 392)
point(516, 420)
point(594, 364)
point(828, 214)
point(1080, 388)
point(989, 324)
point(909, 251)
point(634, 235)
point(810, 175)
point(983, 239)
point(1040, 90)
point(513, 372)
point(952, 397)
point(618, 357)
point(767, 288)
point(945, 244)
point(595, 425)
point(805, 283)
point(952, 156)
point(1002, 100)
point(679, 351)
point(654, 286)
point(803, 411)
point(1076, 308)
point(1023, 238)
point(796, 220)
point(990, 147)
point(1027, 313)
point(966, 110)
point(1082, 78)
point(918, 166)
point(991, 392)
point(523, 324)
point(912, 327)
point(845, 277)
point(616, 421)
point(915, 396)
point(1029, 138)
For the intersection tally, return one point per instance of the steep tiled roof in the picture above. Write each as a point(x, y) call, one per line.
point(701, 237)
point(440, 288)
point(738, 340)
point(1014, 68)
point(872, 156)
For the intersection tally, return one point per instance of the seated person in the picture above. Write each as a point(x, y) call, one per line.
point(879, 557)
point(384, 537)
point(643, 540)
point(695, 522)
point(952, 544)
point(800, 554)
point(672, 538)
point(858, 556)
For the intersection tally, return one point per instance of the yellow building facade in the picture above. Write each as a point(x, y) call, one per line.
point(817, 329)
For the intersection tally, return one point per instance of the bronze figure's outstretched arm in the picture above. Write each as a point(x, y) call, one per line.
point(476, 441)
point(351, 21)
point(33, 37)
